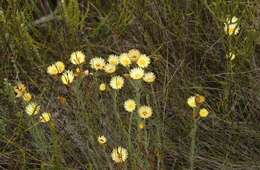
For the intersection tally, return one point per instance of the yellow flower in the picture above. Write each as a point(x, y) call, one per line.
point(130, 105)
point(124, 60)
point(119, 154)
point(102, 139)
point(231, 56)
point(102, 87)
point(149, 77)
point(136, 73)
point(67, 77)
point(97, 63)
point(191, 101)
point(60, 66)
point(32, 108)
point(27, 97)
point(77, 57)
point(117, 82)
point(141, 125)
point(113, 59)
point(110, 68)
point(143, 61)
point(45, 117)
point(145, 112)
point(134, 54)
point(231, 26)
point(203, 112)
point(56, 68)
point(19, 89)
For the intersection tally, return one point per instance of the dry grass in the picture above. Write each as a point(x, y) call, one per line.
point(187, 44)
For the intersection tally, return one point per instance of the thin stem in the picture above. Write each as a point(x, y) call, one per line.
point(193, 143)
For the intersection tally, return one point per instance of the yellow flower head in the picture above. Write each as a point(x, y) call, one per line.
point(134, 54)
point(203, 112)
point(32, 109)
point(67, 77)
point(136, 73)
point(77, 57)
point(191, 101)
point(231, 56)
point(143, 61)
point(141, 125)
point(97, 63)
point(27, 97)
point(231, 26)
point(19, 89)
point(119, 154)
point(102, 139)
point(56, 68)
point(145, 112)
point(130, 105)
point(110, 68)
point(124, 60)
point(113, 59)
point(117, 82)
point(45, 117)
point(102, 87)
point(149, 77)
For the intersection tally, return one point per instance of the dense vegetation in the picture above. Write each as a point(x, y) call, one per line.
point(188, 47)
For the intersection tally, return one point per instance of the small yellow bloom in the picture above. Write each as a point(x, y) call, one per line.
point(134, 54)
point(130, 105)
point(117, 82)
point(19, 89)
point(67, 77)
point(136, 73)
point(231, 26)
point(141, 125)
point(110, 68)
point(32, 109)
point(52, 70)
point(97, 63)
point(27, 97)
point(145, 112)
point(113, 59)
point(149, 77)
point(124, 60)
point(231, 56)
point(60, 66)
point(119, 154)
point(77, 57)
point(191, 101)
point(203, 112)
point(143, 61)
point(102, 139)
point(45, 117)
point(102, 87)
point(56, 68)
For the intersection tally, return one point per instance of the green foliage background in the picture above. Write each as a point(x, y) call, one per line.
point(187, 44)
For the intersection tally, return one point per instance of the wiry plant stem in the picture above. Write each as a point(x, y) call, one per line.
point(193, 143)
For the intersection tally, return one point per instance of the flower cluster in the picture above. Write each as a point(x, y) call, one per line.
point(231, 28)
point(21, 91)
point(77, 58)
point(135, 63)
point(32, 108)
point(195, 102)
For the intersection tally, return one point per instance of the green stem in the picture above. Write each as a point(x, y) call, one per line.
point(193, 144)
